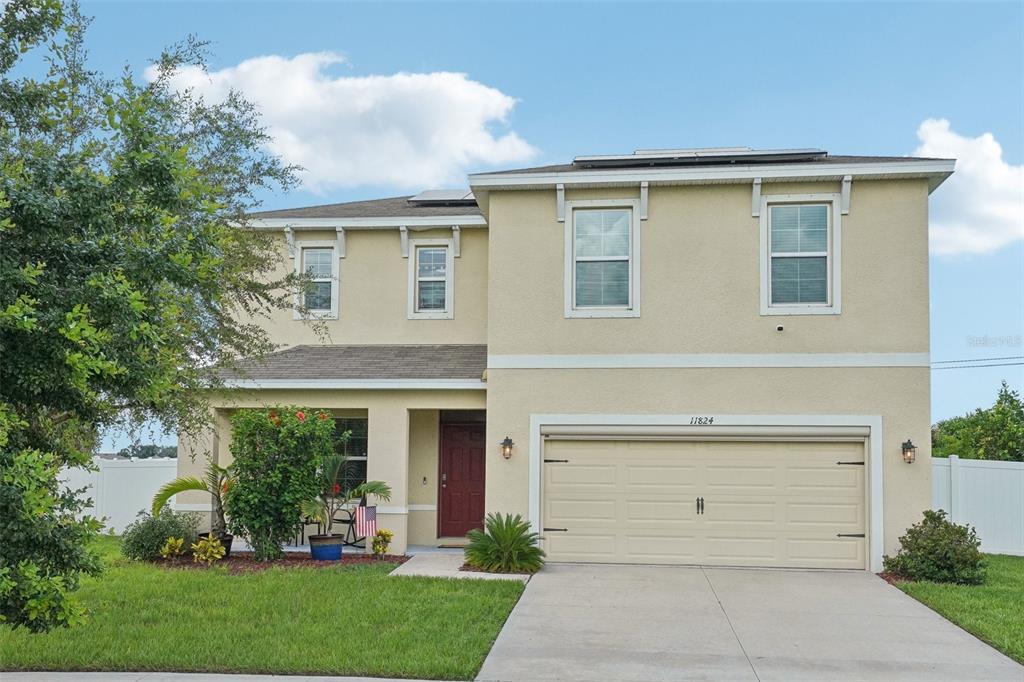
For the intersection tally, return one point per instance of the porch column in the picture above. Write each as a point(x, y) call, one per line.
point(388, 460)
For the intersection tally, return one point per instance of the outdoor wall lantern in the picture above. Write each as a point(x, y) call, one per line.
point(909, 451)
point(506, 447)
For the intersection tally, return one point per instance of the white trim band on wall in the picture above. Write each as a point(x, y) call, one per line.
point(360, 384)
point(844, 427)
point(711, 360)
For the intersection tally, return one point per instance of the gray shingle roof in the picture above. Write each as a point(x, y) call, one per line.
point(570, 168)
point(450, 361)
point(393, 207)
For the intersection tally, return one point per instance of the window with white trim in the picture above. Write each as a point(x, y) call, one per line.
point(430, 279)
point(600, 260)
point(320, 293)
point(800, 267)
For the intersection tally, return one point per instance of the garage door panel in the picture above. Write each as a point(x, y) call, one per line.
point(661, 549)
point(828, 551)
point(645, 476)
point(741, 477)
point(588, 511)
point(719, 512)
point(585, 547)
point(666, 512)
point(844, 517)
point(826, 476)
point(584, 476)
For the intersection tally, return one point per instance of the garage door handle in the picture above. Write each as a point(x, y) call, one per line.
point(549, 461)
point(700, 505)
point(559, 530)
point(860, 463)
point(849, 535)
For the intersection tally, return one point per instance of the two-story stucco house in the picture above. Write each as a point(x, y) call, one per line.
point(692, 356)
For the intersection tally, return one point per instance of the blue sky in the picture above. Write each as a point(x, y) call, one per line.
point(549, 81)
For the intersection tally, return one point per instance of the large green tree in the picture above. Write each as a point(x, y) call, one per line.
point(993, 433)
point(126, 271)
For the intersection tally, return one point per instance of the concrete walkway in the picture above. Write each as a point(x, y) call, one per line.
point(445, 564)
point(617, 623)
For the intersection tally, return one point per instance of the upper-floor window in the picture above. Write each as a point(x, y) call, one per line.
point(430, 279)
point(320, 295)
point(601, 271)
point(800, 255)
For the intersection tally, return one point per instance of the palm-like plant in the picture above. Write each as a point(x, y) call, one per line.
point(216, 480)
point(506, 545)
point(334, 497)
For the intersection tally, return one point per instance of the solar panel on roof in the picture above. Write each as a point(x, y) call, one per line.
point(716, 155)
point(444, 196)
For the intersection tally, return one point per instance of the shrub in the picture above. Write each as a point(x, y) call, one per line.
point(940, 551)
point(506, 545)
point(276, 454)
point(172, 548)
point(145, 537)
point(382, 541)
point(207, 549)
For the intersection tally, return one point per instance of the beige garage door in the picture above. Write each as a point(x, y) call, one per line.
point(793, 504)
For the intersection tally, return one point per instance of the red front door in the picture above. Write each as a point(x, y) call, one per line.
point(462, 479)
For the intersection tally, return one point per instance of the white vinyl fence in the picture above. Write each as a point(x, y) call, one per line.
point(121, 487)
point(984, 494)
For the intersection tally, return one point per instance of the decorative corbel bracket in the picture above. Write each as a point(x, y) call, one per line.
point(560, 202)
point(403, 232)
point(844, 198)
point(456, 243)
point(289, 238)
point(340, 241)
point(755, 198)
point(643, 200)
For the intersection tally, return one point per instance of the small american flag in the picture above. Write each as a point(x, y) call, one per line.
point(366, 521)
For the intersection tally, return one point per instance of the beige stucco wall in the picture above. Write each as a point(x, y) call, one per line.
point(401, 449)
point(700, 275)
point(899, 395)
point(699, 264)
point(424, 441)
point(374, 290)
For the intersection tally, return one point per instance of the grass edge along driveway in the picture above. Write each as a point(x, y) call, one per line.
point(991, 612)
point(333, 621)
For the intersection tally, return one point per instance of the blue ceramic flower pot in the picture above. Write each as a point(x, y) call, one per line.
point(325, 547)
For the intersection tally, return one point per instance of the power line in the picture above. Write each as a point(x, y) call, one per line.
point(1008, 357)
point(999, 364)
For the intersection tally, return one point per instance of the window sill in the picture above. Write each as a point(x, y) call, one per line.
point(801, 310)
point(313, 315)
point(431, 316)
point(586, 313)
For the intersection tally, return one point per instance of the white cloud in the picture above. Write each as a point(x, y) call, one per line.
point(410, 130)
point(981, 207)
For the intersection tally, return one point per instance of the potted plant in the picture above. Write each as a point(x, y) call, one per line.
point(216, 481)
point(333, 497)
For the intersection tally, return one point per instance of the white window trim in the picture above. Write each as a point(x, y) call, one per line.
point(633, 310)
point(332, 314)
point(834, 256)
point(449, 284)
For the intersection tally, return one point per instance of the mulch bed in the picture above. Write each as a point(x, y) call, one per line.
point(891, 578)
point(474, 569)
point(240, 563)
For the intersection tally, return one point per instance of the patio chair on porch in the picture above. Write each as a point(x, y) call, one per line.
point(347, 517)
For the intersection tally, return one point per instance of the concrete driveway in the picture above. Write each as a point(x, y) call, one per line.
point(615, 623)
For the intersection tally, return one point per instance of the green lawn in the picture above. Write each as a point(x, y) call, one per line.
point(993, 612)
point(340, 621)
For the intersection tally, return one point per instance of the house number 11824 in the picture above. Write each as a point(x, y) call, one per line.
point(702, 421)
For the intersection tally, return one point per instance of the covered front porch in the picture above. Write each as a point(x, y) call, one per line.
point(423, 436)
